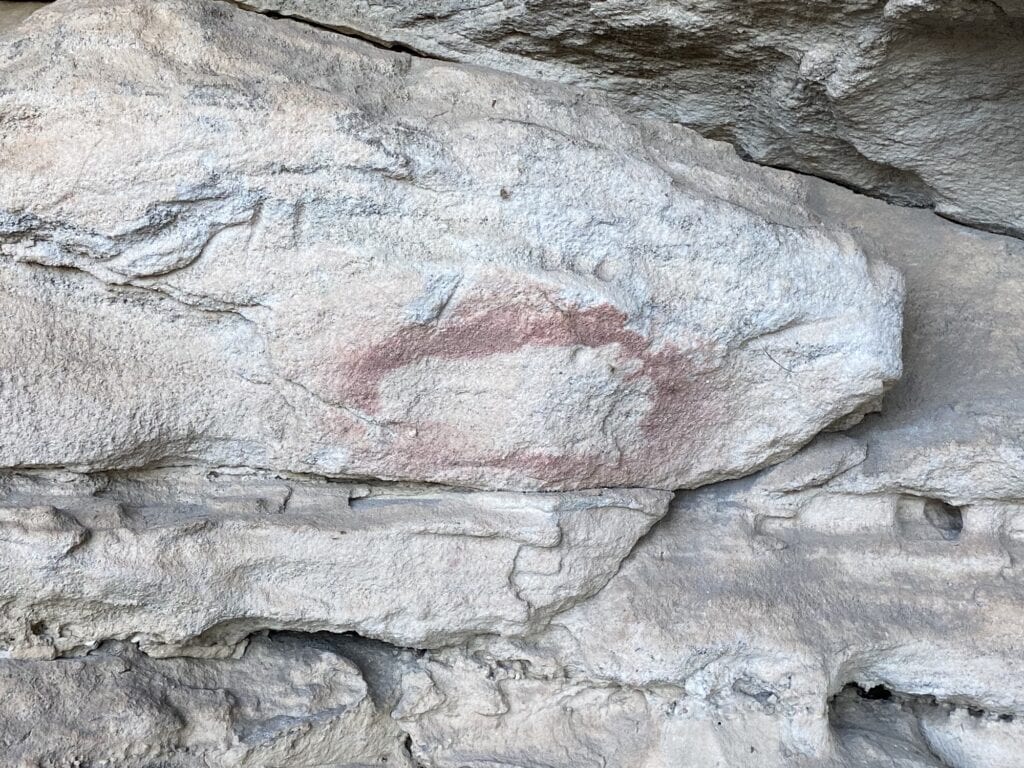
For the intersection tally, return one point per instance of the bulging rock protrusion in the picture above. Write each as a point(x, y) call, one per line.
point(313, 255)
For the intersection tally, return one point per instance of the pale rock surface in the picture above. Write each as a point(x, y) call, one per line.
point(206, 215)
point(311, 255)
point(736, 632)
point(916, 100)
point(285, 702)
point(952, 427)
point(918, 730)
point(182, 563)
point(729, 637)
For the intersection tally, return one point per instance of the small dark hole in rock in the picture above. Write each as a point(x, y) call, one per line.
point(975, 712)
point(875, 693)
point(945, 518)
point(1006, 718)
point(37, 628)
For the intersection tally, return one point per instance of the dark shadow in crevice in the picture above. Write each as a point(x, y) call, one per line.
point(338, 29)
point(877, 724)
point(928, 519)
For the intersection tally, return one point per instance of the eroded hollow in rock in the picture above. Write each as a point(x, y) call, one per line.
point(874, 724)
point(945, 518)
point(926, 519)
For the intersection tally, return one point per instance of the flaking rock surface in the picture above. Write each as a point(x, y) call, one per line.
point(854, 606)
point(250, 242)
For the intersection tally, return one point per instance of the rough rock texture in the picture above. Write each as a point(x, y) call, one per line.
point(285, 702)
point(353, 406)
point(952, 427)
point(792, 593)
point(388, 267)
point(855, 606)
point(920, 101)
point(171, 560)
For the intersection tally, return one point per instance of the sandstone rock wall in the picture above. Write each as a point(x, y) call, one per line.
point(408, 385)
point(919, 101)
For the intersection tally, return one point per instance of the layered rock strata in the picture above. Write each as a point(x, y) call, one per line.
point(361, 409)
point(919, 101)
point(181, 563)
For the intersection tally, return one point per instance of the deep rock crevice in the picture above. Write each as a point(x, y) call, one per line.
point(350, 32)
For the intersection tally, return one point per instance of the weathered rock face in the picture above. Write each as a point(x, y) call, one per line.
point(353, 406)
point(386, 267)
point(953, 427)
point(182, 563)
point(856, 606)
point(283, 702)
point(916, 100)
point(793, 593)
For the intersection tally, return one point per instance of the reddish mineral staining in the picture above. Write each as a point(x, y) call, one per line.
point(489, 325)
